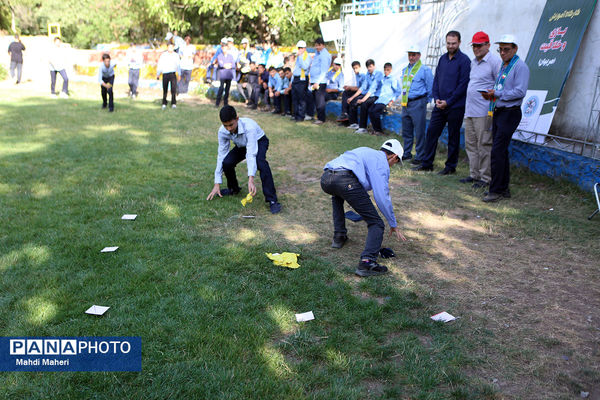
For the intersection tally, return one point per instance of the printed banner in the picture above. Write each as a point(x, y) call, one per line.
point(550, 58)
point(84, 353)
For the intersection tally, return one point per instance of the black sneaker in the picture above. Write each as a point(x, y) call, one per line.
point(275, 207)
point(422, 168)
point(505, 194)
point(229, 192)
point(447, 171)
point(338, 242)
point(414, 161)
point(468, 179)
point(479, 184)
point(370, 268)
point(406, 157)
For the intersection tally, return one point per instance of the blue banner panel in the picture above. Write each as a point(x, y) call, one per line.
point(78, 353)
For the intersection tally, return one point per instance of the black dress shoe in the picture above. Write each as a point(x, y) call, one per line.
point(468, 179)
point(406, 157)
point(447, 171)
point(505, 194)
point(414, 161)
point(422, 168)
point(338, 242)
point(479, 184)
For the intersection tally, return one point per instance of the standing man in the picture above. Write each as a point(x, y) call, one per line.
point(227, 64)
point(57, 65)
point(335, 80)
point(349, 178)
point(350, 89)
point(251, 144)
point(135, 61)
point(505, 100)
point(449, 92)
point(478, 135)
point(318, 71)
point(364, 97)
point(187, 51)
point(390, 90)
point(15, 50)
point(417, 82)
point(300, 82)
point(168, 66)
point(106, 79)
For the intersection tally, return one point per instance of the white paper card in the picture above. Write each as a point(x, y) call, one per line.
point(129, 217)
point(248, 216)
point(307, 316)
point(109, 249)
point(443, 317)
point(97, 310)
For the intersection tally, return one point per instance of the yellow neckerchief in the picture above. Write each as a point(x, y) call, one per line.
point(337, 73)
point(302, 72)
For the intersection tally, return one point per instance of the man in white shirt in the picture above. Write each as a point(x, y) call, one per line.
point(135, 61)
point(57, 64)
point(169, 67)
point(187, 65)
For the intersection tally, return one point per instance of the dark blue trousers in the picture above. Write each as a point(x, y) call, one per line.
point(504, 123)
point(299, 89)
point(439, 118)
point(319, 98)
point(237, 155)
point(375, 113)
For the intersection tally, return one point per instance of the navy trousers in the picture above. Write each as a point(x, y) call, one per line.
point(299, 89)
point(439, 118)
point(504, 123)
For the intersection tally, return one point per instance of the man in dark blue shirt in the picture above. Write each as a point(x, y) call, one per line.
point(449, 92)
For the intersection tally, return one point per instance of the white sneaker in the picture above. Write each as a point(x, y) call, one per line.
point(63, 95)
point(308, 118)
point(164, 106)
point(174, 106)
point(353, 126)
point(54, 95)
point(361, 130)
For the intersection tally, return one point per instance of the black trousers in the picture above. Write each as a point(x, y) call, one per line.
point(299, 89)
point(286, 103)
point(364, 110)
point(225, 84)
point(439, 118)
point(353, 109)
point(170, 78)
point(344, 186)
point(276, 101)
point(375, 113)
point(504, 123)
point(238, 154)
point(319, 98)
point(104, 91)
point(346, 94)
point(331, 96)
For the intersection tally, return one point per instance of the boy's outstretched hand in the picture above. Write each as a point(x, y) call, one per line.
point(399, 235)
point(216, 190)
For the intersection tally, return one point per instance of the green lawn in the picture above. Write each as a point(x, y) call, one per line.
point(190, 277)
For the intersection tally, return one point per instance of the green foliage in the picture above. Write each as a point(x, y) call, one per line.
point(3, 73)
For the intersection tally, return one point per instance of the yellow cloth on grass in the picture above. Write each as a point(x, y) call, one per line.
point(247, 200)
point(288, 260)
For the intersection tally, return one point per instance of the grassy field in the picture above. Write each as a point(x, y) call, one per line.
point(217, 318)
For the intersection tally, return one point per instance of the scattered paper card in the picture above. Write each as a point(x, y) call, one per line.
point(97, 310)
point(129, 217)
point(307, 316)
point(443, 317)
point(248, 216)
point(109, 249)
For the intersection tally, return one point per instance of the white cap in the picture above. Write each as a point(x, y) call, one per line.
point(338, 61)
point(507, 38)
point(224, 40)
point(413, 49)
point(301, 43)
point(169, 36)
point(230, 39)
point(245, 40)
point(394, 146)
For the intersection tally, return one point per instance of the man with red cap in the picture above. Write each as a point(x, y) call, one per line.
point(478, 134)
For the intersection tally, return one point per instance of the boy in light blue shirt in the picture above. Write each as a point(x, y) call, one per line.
point(365, 97)
point(275, 87)
point(390, 90)
point(335, 80)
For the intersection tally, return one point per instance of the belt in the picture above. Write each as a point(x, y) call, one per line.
point(507, 108)
point(340, 171)
point(418, 97)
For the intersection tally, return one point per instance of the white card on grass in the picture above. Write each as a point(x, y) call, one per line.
point(129, 217)
point(248, 216)
point(96, 310)
point(307, 316)
point(109, 249)
point(443, 317)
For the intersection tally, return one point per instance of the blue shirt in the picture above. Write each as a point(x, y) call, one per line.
point(301, 65)
point(219, 51)
point(106, 72)
point(372, 83)
point(248, 134)
point(285, 83)
point(390, 89)
point(422, 82)
point(515, 86)
point(451, 79)
point(226, 73)
point(358, 80)
point(319, 66)
point(373, 172)
point(337, 83)
point(275, 82)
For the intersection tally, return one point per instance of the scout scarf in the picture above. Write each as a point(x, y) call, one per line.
point(337, 73)
point(407, 81)
point(499, 85)
point(302, 72)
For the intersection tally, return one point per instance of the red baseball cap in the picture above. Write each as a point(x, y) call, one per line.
point(480, 37)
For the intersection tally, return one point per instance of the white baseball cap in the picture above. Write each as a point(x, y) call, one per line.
point(301, 43)
point(394, 146)
point(224, 40)
point(338, 61)
point(169, 36)
point(507, 38)
point(413, 49)
point(230, 39)
point(245, 40)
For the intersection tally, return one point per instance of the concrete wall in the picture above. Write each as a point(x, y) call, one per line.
point(386, 38)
